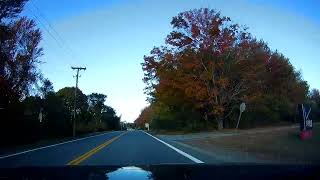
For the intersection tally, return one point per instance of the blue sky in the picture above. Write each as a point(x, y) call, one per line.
point(111, 37)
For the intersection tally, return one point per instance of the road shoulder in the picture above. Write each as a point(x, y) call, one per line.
point(261, 145)
point(214, 155)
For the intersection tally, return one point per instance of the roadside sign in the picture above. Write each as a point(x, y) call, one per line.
point(146, 125)
point(242, 107)
point(306, 124)
point(40, 117)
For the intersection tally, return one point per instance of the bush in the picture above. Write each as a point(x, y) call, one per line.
point(92, 126)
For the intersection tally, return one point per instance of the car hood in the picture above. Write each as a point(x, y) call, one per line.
point(169, 171)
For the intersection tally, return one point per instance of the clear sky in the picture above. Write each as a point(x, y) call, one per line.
point(111, 37)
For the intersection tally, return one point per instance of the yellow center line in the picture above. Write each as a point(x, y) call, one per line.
point(86, 155)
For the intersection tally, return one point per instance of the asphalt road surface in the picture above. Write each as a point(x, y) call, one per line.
point(112, 148)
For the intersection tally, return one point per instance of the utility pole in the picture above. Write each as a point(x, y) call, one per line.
point(75, 99)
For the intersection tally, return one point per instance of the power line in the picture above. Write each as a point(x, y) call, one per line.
point(47, 21)
point(46, 29)
point(59, 43)
point(51, 27)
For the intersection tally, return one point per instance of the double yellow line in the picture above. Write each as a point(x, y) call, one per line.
point(85, 156)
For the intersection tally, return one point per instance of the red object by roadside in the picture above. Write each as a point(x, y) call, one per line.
point(305, 134)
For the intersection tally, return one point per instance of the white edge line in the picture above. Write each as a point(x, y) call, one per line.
point(52, 145)
point(177, 150)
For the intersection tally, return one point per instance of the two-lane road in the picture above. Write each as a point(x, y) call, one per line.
point(112, 148)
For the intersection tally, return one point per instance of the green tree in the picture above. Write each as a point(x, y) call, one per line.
point(111, 119)
point(9, 9)
point(96, 105)
point(57, 117)
point(46, 87)
point(68, 96)
point(314, 97)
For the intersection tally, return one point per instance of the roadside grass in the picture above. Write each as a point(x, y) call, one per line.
point(182, 131)
point(280, 145)
point(171, 132)
point(212, 129)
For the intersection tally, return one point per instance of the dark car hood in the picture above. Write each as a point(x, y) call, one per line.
point(196, 171)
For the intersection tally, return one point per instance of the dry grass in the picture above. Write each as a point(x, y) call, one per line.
point(278, 145)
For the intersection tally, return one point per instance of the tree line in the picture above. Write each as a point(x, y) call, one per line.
point(30, 110)
point(208, 66)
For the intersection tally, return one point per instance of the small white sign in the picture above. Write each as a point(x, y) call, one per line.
point(40, 116)
point(242, 107)
point(146, 125)
point(309, 123)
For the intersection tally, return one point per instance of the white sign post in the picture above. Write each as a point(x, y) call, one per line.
point(40, 117)
point(242, 109)
point(147, 126)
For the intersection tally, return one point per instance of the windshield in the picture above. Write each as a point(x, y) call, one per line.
point(142, 82)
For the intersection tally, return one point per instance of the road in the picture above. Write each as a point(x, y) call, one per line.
point(112, 148)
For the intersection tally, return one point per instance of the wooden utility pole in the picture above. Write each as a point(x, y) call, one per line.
point(75, 99)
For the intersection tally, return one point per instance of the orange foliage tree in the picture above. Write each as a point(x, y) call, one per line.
point(144, 117)
point(214, 64)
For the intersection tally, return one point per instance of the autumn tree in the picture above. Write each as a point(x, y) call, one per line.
point(144, 117)
point(20, 54)
point(201, 53)
point(214, 64)
point(19, 58)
